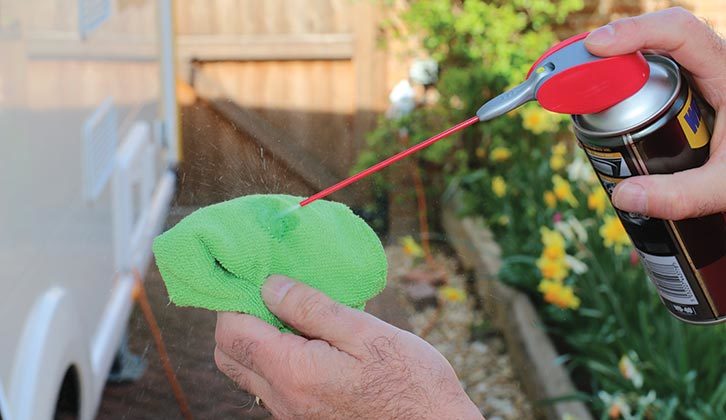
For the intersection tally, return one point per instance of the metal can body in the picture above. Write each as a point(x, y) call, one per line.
point(661, 130)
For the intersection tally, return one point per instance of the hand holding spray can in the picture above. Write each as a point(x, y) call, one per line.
point(639, 115)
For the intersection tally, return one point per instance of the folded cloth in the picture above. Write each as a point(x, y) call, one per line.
point(218, 257)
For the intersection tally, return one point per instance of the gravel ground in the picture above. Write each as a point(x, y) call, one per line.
point(481, 362)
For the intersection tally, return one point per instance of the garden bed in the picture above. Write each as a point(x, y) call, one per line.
point(512, 313)
point(450, 320)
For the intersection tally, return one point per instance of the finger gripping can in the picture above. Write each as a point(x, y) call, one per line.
point(662, 129)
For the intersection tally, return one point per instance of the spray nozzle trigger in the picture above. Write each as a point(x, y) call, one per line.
point(515, 97)
point(567, 79)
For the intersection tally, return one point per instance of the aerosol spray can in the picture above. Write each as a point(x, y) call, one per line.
point(639, 115)
point(662, 129)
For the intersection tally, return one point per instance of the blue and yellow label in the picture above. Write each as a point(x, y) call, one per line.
point(692, 123)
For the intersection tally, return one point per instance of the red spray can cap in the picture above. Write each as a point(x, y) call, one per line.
point(567, 79)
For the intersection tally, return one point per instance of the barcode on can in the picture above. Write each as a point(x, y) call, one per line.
point(668, 278)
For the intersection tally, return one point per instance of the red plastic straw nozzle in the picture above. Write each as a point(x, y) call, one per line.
point(393, 159)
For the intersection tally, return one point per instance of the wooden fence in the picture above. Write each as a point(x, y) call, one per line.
point(309, 70)
point(307, 78)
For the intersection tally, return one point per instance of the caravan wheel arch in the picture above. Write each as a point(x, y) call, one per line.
point(51, 343)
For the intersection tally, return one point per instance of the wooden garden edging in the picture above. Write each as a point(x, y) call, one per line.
point(533, 354)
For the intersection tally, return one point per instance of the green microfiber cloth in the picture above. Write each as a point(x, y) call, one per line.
point(218, 257)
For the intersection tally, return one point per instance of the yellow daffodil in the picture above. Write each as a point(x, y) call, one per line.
point(499, 186)
point(553, 252)
point(538, 121)
point(552, 263)
point(480, 152)
point(411, 247)
point(597, 200)
point(550, 199)
point(552, 269)
point(559, 149)
point(551, 237)
point(557, 162)
point(452, 294)
point(500, 154)
point(613, 234)
point(562, 190)
point(559, 294)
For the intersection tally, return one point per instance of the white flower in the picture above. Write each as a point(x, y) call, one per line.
point(615, 404)
point(564, 228)
point(605, 397)
point(424, 72)
point(578, 228)
point(402, 99)
point(646, 400)
point(623, 405)
point(579, 170)
point(572, 229)
point(577, 266)
point(629, 371)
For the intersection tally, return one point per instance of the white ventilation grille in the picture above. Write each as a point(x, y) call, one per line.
point(100, 138)
point(133, 187)
point(91, 14)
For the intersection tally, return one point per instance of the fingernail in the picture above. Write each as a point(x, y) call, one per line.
point(602, 36)
point(631, 197)
point(275, 289)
